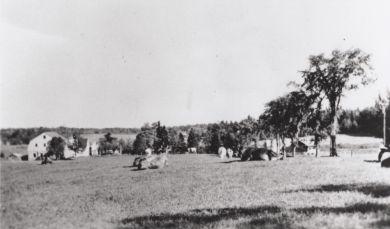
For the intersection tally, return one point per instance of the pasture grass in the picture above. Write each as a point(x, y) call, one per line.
point(7, 150)
point(197, 191)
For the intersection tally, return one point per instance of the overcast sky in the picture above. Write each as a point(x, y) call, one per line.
point(123, 63)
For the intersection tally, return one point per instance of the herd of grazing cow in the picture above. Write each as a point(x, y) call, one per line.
point(150, 161)
point(249, 154)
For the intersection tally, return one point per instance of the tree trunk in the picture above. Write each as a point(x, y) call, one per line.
point(277, 143)
point(316, 140)
point(384, 126)
point(294, 146)
point(283, 149)
point(333, 132)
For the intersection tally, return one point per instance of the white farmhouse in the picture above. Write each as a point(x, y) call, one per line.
point(37, 146)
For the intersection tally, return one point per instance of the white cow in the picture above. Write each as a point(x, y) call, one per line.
point(222, 152)
point(192, 150)
point(148, 152)
point(229, 153)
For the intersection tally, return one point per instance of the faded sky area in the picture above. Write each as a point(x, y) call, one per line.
point(124, 63)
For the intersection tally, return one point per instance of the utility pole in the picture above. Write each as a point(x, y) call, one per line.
point(384, 125)
point(383, 102)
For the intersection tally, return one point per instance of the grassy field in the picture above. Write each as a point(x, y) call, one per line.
point(197, 191)
point(9, 149)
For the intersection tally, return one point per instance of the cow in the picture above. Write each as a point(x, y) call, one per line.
point(137, 160)
point(159, 162)
point(386, 163)
point(192, 150)
point(153, 162)
point(222, 152)
point(383, 149)
point(46, 160)
point(229, 153)
point(148, 151)
point(260, 154)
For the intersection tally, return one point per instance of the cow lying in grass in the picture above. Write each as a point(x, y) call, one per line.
point(225, 153)
point(259, 154)
point(386, 163)
point(382, 150)
point(151, 162)
point(222, 152)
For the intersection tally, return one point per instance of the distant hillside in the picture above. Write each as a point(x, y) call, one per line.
point(96, 137)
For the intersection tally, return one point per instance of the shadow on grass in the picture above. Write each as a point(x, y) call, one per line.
point(195, 218)
point(256, 217)
point(372, 161)
point(228, 162)
point(274, 221)
point(137, 170)
point(372, 189)
point(356, 208)
point(128, 166)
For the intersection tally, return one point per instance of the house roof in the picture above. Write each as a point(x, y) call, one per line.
point(52, 134)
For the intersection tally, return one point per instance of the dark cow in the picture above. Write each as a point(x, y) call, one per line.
point(259, 154)
point(386, 163)
point(137, 160)
point(153, 162)
point(46, 160)
point(384, 149)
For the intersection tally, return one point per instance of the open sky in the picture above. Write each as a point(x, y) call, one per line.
point(123, 63)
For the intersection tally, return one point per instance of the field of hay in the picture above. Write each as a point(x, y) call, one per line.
point(198, 191)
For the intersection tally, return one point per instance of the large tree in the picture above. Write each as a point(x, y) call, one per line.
point(247, 131)
point(274, 119)
point(193, 139)
point(286, 115)
point(333, 76)
point(56, 147)
point(181, 145)
point(161, 140)
point(140, 144)
point(299, 107)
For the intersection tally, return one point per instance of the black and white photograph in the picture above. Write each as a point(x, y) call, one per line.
point(194, 114)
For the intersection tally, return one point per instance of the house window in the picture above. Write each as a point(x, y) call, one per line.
point(44, 144)
point(44, 136)
point(35, 155)
point(36, 144)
